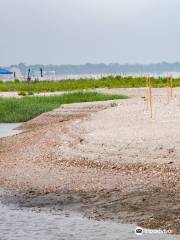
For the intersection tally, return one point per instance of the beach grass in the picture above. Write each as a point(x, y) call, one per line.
point(13, 110)
point(70, 85)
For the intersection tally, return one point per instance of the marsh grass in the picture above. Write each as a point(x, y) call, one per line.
point(67, 85)
point(14, 110)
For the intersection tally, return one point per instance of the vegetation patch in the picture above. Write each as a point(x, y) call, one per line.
point(14, 110)
point(68, 85)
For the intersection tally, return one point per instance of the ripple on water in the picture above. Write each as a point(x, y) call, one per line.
point(30, 225)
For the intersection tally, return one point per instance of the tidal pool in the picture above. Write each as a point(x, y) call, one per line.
point(7, 129)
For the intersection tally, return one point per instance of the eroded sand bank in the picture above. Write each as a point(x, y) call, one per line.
point(109, 160)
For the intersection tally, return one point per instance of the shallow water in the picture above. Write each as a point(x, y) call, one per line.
point(29, 225)
point(6, 129)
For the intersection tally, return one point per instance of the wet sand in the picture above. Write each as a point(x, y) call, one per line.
point(107, 160)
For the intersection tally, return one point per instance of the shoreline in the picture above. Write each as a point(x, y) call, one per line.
point(67, 158)
point(131, 92)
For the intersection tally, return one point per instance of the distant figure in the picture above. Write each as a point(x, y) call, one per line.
point(29, 77)
point(41, 70)
point(14, 75)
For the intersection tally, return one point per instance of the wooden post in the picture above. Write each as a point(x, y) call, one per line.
point(168, 88)
point(171, 87)
point(149, 95)
point(147, 83)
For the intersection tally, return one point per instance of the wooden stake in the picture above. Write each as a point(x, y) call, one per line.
point(171, 87)
point(168, 88)
point(149, 96)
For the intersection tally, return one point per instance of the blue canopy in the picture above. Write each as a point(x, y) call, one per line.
point(5, 71)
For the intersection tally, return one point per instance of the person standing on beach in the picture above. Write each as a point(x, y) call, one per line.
point(41, 71)
point(29, 77)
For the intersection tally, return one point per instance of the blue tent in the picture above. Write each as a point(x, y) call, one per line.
point(5, 71)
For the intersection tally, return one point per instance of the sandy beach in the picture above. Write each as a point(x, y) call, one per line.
point(107, 160)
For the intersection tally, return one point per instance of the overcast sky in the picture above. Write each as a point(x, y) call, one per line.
point(80, 31)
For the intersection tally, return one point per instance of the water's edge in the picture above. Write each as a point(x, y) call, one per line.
point(9, 129)
point(42, 223)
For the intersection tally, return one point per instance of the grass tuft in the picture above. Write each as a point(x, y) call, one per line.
point(13, 110)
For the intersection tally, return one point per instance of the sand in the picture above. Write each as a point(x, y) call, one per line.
point(108, 160)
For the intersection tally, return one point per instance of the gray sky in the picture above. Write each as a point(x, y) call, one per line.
point(80, 31)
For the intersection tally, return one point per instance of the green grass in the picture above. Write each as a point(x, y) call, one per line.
point(67, 85)
point(14, 110)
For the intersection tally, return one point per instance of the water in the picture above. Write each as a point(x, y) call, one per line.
point(29, 225)
point(51, 75)
point(26, 224)
point(7, 129)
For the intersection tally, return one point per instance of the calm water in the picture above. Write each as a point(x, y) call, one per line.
point(6, 129)
point(29, 225)
point(25, 224)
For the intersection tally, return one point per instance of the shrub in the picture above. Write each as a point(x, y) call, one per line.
point(22, 93)
point(30, 93)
